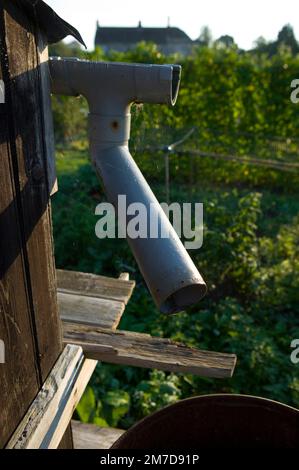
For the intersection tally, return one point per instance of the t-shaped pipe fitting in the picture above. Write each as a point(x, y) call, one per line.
point(110, 89)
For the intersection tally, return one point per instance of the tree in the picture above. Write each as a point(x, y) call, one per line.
point(63, 49)
point(287, 38)
point(260, 43)
point(225, 41)
point(205, 37)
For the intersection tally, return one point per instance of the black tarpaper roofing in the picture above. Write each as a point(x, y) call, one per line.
point(53, 26)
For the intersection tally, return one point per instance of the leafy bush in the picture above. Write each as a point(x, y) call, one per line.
point(239, 103)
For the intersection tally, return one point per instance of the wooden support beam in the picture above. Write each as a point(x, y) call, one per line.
point(141, 350)
point(90, 436)
point(50, 413)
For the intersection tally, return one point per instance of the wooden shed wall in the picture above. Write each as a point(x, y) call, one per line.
point(29, 321)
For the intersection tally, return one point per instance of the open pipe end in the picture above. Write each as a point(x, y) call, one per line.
point(183, 298)
point(175, 84)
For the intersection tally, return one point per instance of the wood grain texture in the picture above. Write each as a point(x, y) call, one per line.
point(19, 379)
point(140, 350)
point(93, 285)
point(89, 436)
point(29, 320)
point(68, 406)
point(67, 440)
point(90, 310)
point(47, 117)
point(50, 413)
point(29, 114)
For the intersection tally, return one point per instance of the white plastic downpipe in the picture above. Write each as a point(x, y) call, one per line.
point(110, 89)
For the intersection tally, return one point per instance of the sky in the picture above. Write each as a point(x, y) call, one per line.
point(245, 20)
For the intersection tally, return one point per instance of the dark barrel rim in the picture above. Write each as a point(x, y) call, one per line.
point(226, 400)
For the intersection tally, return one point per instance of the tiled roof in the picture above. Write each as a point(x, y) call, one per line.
point(110, 35)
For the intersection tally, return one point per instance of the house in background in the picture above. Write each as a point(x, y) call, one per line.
point(169, 40)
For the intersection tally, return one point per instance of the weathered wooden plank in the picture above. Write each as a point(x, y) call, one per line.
point(140, 350)
point(28, 120)
point(19, 380)
point(90, 310)
point(50, 413)
point(51, 179)
point(67, 440)
point(124, 276)
point(47, 113)
point(93, 285)
point(29, 321)
point(89, 436)
point(61, 424)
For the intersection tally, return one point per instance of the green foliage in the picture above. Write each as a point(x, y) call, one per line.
point(69, 115)
point(113, 406)
point(159, 391)
point(87, 408)
point(285, 41)
point(239, 103)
